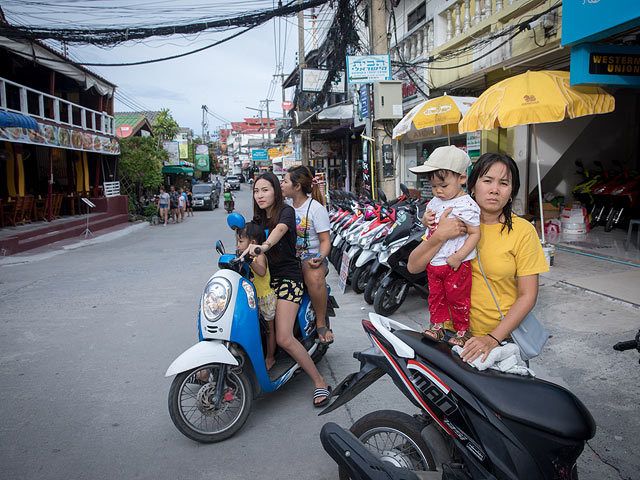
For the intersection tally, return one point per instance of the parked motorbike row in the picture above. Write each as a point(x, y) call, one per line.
point(611, 197)
point(372, 240)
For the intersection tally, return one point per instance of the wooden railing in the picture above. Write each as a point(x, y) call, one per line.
point(27, 101)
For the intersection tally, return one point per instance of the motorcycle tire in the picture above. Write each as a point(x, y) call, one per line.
point(386, 302)
point(186, 390)
point(373, 284)
point(360, 277)
point(375, 429)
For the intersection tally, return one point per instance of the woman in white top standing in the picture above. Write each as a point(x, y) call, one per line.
point(313, 240)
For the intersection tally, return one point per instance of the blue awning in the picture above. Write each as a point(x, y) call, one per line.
point(10, 119)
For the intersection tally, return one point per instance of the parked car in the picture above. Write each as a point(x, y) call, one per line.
point(205, 196)
point(234, 182)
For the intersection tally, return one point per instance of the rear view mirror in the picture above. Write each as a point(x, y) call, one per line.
point(235, 221)
point(219, 247)
point(404, 189)
point(382, 196)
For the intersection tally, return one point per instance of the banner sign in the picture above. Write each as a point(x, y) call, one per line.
point(364, 101)
point(258, 154)
point(202, 158)
point(605, 64)
point(184, 149)
point(367, 177)
point(172, 150)
point(61, 137)
point(313, 80)
point(368, 68)
point(592, 20)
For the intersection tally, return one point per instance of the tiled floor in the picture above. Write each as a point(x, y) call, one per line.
point(598, 242)
point(10, 231)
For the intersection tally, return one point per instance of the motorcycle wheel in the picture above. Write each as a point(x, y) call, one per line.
point(192, 404)
point(386, 301)
point(373, 284)
point(360, 277)
point(395, 438)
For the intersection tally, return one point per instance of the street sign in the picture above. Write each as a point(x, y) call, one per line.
point(364, 101)
point(368, 68)
point(124, 130)
point(274, 152)
point(287, 105)
point(259, 154)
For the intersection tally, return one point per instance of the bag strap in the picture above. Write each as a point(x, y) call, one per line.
point(487, 282)
point(305, 245)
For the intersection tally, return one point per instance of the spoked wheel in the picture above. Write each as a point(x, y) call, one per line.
point(388, 300)
point(196, 410)
point(394, 437)
point(360, 277)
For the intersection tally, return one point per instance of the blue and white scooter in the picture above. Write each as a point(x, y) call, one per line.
point(218, 378)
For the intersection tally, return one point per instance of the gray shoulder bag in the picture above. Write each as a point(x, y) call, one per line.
point(530, 335)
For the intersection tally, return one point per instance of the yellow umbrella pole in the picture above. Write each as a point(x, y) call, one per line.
point(535, 142)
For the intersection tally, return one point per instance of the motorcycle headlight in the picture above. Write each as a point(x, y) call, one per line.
point(251, 295)
point(216, 298)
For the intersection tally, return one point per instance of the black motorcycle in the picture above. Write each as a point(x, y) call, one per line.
point(471, 425)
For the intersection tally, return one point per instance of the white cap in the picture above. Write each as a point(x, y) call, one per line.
point(445, 158)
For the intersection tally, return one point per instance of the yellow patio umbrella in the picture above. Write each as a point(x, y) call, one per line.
point(440, 112)
point(531, 98)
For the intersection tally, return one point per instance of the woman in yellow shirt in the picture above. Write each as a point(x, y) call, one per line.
point(509, 250)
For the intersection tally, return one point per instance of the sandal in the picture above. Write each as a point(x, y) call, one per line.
point(319, 393)
point(460, 338)
point(323, 331)
point(435, 334)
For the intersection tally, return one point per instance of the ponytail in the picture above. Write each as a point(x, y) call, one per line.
point(304, 176)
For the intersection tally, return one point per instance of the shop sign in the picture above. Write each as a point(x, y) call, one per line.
point(274, 152)
point(202, 158)
point(368, 68)
point(258, 155)
point(61, 137)
point(364, 101)
point(326, 149)
point(605, 64)
point(183, 148)
point(592, 20)
point(367, 174)
point(313, 80)
point(172, 150)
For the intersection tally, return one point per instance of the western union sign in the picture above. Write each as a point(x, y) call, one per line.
point(614, 64)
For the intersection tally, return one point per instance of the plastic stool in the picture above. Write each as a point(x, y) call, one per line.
point(631, 225)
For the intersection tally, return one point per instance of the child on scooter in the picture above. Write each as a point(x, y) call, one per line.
point(449, 272)
point(252, 233)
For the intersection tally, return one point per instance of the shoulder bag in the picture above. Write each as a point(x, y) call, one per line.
point(530, 335)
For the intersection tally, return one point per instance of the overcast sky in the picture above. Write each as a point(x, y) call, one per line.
point(227, 78)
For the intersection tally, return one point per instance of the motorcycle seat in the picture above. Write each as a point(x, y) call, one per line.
point(530, 401)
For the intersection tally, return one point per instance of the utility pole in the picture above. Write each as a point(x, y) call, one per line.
point(259, 110)
point(379, 46)
point(268, 120)
point(204, 121)
point(301, 59)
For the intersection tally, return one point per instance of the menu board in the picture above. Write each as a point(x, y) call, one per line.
point(61, 137)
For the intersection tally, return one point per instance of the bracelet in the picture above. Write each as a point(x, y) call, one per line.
point(499, 342)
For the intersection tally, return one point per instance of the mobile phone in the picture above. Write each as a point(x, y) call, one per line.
point(318, 255)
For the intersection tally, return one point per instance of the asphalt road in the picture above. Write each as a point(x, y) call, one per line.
point(86, 336)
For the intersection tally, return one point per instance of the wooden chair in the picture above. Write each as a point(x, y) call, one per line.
point(57, 204)
point(14, 212)
point(41, 209)
point(27, 209)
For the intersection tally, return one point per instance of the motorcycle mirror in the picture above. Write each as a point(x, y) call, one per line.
point(367, 194)
point(235, 221)
point(219, 247)
point(404, 189)
point(382, 196)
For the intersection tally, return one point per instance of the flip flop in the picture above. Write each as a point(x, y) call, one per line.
point(321, 392)
point(323, 331)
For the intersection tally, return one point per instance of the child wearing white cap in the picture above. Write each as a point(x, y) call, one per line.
point(449, 272)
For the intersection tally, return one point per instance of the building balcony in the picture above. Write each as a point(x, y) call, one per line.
point(42, 106)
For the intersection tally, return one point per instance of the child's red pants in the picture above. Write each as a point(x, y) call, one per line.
point(450, 291)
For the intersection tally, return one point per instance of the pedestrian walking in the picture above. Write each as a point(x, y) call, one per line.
point(189, 203)
point(173, 204)
point(182, 204)
point(163, 206)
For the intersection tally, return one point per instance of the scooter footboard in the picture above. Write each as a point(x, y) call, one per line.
point(201, 353)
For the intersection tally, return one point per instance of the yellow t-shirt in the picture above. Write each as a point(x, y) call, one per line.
point(262, 284)
point(505, 256)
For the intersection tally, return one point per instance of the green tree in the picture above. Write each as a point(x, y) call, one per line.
point(140, 166)
point(165, 128)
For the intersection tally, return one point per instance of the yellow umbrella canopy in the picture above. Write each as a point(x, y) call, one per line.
point(534, 97)
point(435, 112)
point(531, 98)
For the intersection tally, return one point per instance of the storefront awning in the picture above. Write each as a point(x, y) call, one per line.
point(10, 119)
point(330, 117)
point(177, 170)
